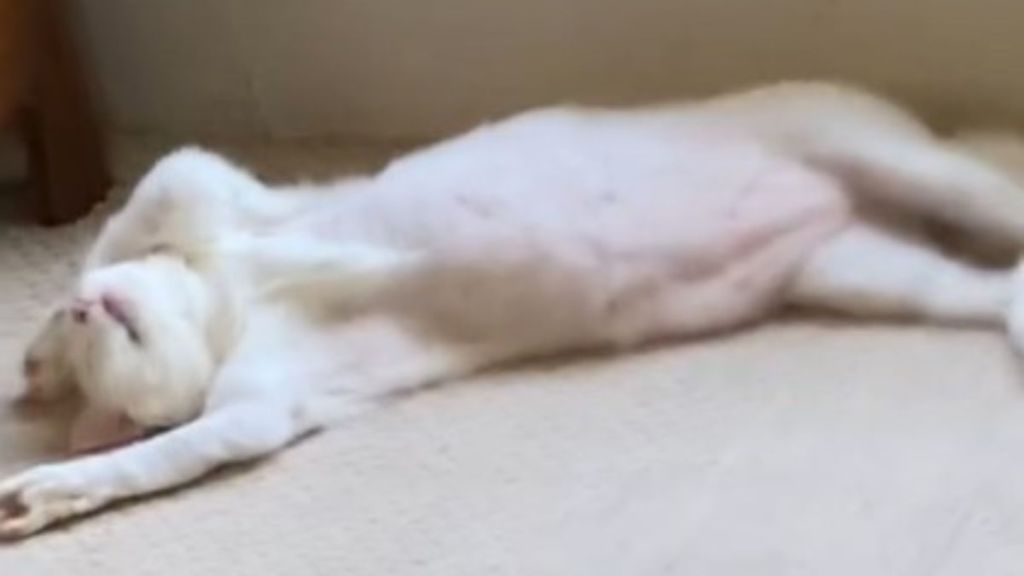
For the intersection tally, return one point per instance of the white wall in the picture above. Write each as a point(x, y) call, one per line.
point(414, 68)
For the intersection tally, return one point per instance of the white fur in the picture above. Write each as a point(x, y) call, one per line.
point(265, 315)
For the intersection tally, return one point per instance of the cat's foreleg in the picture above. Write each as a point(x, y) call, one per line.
point(234, 432)
point(183, 204)
point(317, 271)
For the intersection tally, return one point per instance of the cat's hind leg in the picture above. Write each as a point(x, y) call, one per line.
point(929, 178)
point(872, 272)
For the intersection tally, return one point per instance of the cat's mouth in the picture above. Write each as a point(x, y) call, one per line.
point(118, 311)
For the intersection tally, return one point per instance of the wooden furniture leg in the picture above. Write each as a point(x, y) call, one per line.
point(66, 158)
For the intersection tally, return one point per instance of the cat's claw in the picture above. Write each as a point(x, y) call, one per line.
point(42, 496)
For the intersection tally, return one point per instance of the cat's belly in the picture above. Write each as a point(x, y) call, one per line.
point(614, 238)
point(622, 284)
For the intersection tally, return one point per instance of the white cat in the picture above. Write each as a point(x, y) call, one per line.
point(242, 317)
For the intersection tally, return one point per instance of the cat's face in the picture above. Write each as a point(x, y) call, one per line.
point(135, 339)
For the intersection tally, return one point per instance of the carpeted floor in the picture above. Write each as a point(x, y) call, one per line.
point(798, 448)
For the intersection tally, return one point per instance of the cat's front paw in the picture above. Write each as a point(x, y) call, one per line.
point(44, 495)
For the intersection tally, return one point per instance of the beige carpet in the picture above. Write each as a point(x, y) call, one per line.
point(799, 448)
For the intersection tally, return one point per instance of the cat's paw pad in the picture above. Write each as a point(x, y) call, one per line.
point(42, 496)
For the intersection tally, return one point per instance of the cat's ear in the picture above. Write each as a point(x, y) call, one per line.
point(46, 367)
point(97, 429)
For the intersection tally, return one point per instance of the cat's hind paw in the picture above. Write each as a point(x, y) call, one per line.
point(1015, 313)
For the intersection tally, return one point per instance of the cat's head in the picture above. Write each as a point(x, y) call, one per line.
point(137, 338)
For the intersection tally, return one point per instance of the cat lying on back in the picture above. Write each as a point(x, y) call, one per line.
point(241, 317)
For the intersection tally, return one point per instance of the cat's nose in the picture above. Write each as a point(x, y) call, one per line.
point(79, 309)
